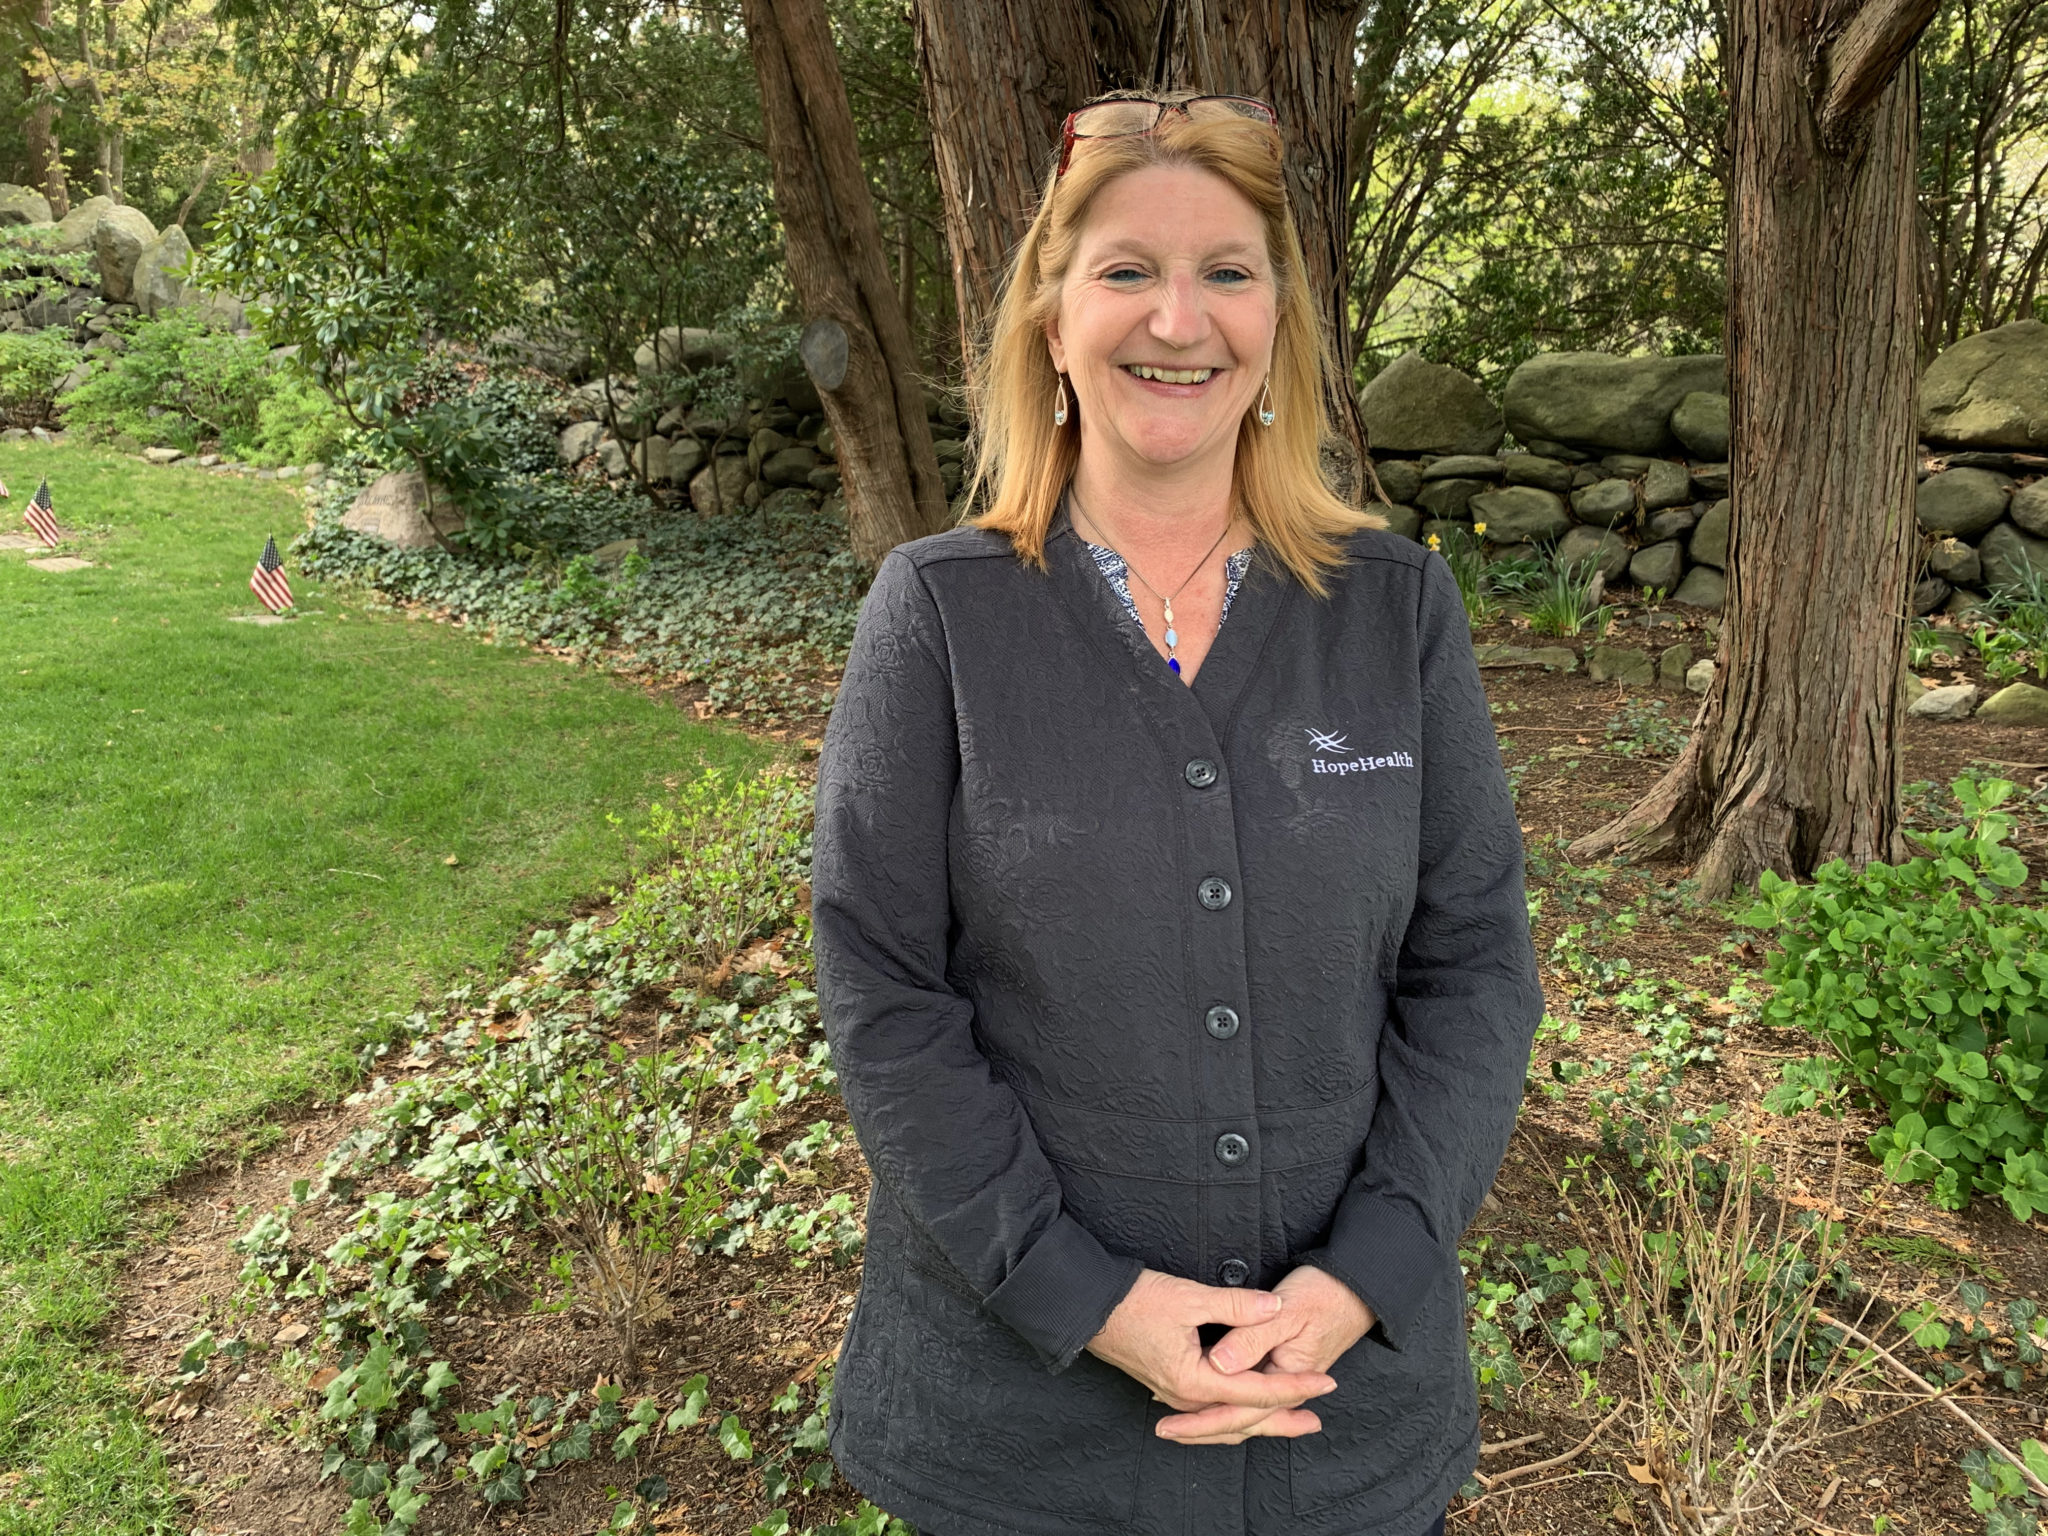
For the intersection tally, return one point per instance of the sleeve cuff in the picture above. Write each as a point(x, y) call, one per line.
point(1062, 1291)
point(1379, 1248)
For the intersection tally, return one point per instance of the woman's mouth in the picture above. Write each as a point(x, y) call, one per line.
point(1154, 375)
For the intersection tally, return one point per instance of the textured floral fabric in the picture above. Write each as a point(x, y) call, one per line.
point(1117, 972)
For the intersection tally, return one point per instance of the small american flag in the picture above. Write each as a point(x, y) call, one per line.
point(268, 582)
point(41, 516)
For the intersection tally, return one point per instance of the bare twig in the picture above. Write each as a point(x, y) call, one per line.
point(1500, 1446)
point(1501, 1478)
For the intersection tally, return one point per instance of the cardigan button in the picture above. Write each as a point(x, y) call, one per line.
point(1200, 772)
point(1233, 1272)
point(1221, 1021)
point(1213, 893)
point(1232, 1149)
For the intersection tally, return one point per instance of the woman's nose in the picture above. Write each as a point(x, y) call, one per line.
point(1181, 317)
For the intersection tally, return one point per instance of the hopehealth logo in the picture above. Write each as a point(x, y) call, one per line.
point(1330, 742)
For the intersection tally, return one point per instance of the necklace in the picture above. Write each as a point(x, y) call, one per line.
point(1172, 636)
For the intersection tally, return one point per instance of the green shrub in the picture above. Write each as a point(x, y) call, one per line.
point(296, 423)
point(1933, 996)
point(32, 365)
point(201, 384)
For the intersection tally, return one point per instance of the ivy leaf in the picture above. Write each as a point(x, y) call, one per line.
point(739, 1445)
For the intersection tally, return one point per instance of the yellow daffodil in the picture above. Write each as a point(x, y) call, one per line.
point(1435, 543)
point(1479, 528)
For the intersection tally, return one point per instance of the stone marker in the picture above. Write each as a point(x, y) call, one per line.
point(1699, 676)
point(2014, 704)
point(393, 508)
point(1620, 664)
point(1951, 703)
point(265, 620)
point(21, 541)
point(61, 563)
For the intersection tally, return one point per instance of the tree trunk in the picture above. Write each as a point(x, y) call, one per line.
point(999, 77)
point(1795, 757)
point(858, 347)
point(39, 131)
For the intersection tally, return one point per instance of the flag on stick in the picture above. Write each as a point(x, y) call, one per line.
point(41, 516)
point(268, 582)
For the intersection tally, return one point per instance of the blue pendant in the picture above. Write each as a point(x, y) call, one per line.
point(1174, 662)
point(1172, 639)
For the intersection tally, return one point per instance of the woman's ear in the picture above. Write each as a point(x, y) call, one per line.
point(1054, 345)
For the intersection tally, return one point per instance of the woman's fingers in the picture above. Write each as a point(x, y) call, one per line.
point(1234, 1307)
point(1228, 1426)
point(1242, 1348)
point(1250, 1389)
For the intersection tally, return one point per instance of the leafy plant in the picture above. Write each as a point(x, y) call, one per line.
point(1563, 598)
point(32, 365)
point(176, 383)
point(1645, 729)
point(1930, 992)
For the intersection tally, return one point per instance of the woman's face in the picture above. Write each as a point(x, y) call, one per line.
point(1166, 317)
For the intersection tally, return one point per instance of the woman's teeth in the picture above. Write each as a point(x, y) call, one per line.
point(1170, 375)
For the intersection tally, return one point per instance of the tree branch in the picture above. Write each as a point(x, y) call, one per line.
point(1864, 58)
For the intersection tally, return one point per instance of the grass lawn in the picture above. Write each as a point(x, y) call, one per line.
point(225, 849)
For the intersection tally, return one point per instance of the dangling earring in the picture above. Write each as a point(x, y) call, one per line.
point(1059, 411)
point(1266, 403)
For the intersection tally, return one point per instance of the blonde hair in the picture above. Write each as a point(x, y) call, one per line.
point(1026, 461)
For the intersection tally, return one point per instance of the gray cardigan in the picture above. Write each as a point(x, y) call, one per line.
point(1119, 972)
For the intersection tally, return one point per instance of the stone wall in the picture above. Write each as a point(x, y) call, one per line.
point(1624, 461)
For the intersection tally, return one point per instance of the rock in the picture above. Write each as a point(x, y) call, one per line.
point(1710, 539)
point(1927, 595)
point(579, 441)
point(1699, 676)
point(1963, 502)
point(2008, 556)
point(1673, 663)
point(613, 459)
point(1608, 554)
point(1954, 562)
point(1703, 587)
point(74, 378)
point(1593, 400)
point(1605, 502)
point(1552, 658)
point(721, 485)
point(162, 455)
point(676, 347)
point(1474, 466)
point(159, 281)
point(1951, 703)
point(765, 443)
point(609, 557)
point(1658, 565)
point(1700, 421)
point(827, 444)
point(1413, 406)
point(1967, 605)
point(209, 461)
point(75, 229)
point(1450, 499)
point(1989, 390)
point(22, 205)
point(1710, 480)
point(1629, 466)
point(2030, 508)
point(793, 466)
point(788, 501)
point(1666, 484)
point(1405, 521)
point(1444, 530)
point(2016, 704)
point(1399, 478)
point(1544, 448)
point(1672, 523)
point(1520, 513)
point(394, 508)
point(1553, 475)
point(685, 457)
point(825, 479)
point(118, 240)
point(650, 458)
point(1620, 664)
point(553, 349)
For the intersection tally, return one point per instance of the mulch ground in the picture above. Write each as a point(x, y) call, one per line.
point(755, 1323)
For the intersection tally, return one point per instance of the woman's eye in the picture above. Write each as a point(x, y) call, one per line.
point(1124, 275)
point(1230, 276)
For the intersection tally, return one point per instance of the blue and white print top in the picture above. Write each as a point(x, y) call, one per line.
point(1118, 575)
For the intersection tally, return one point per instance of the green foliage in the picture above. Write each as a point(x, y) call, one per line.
point(1931, 994)
point(1644, 728)
point(31, 267)
point(32, 365)
point(296, 423)
point(1483, 584)
point(1560, 598)
point(176, 383)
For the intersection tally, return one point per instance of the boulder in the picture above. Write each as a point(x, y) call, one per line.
point(1405, 521)
point(1552, 475)
point(579, 441)
point(676, 347)
point(793, 466)
point(162, 455)
point(118, 241)
point(1520, 513)
point(2008, 556)
point(1710, 480)
point(1699, 676)
point(1666, 484)
point(1963, 502)
point(1700, 421)
point(1592, 400)
point(650, 458)
point(1928, 594)
point(1605, 502)
point(609, 557)
point(2030, 508)
point(1413, 406)
point(685, 457)
point(22, 205)
point(1471, 466)
point(1703, 587)
point(1673, 663)
point(1951, 703)
point(1710, 539)
point(1954, 562)
point(762, 446)
point(555, 350)
point(1605, 550)
point(1620, 664)
point(1989, 390)
point(2016, 704)
point(75, 229)
point(1450, 498)
point(1967, 605)
point(788, 501)
point(1399, 478)
point(1551, 658)
point(613, 460)
point(394, 508)
point(721, 485)
point(1672, 523)
point(825, 478)
point(1658, 565)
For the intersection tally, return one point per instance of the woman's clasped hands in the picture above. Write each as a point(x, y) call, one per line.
point(1255, 1379)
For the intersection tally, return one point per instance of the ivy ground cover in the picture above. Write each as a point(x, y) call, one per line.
point(225, 849)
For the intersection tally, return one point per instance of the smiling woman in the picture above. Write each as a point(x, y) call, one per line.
point(1169, 917)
